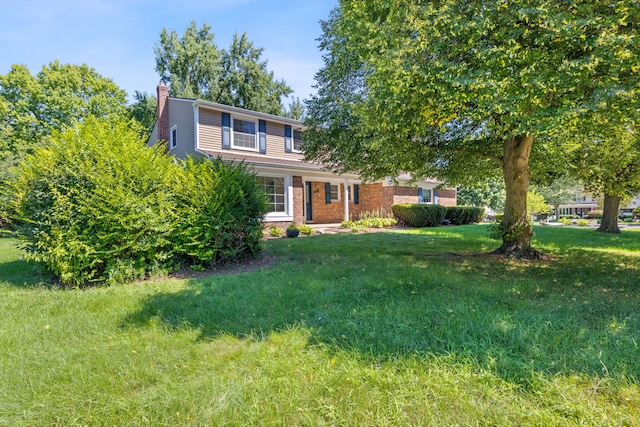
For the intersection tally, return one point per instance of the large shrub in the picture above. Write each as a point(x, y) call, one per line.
point(419, 215)
point(220, 211)
point(593, 214)
point(94, 204)
point(461, 215)
point(636, 212)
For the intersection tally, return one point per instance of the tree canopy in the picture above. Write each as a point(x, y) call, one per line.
point(460, 89)
point(609, 164)
point(192, 66)
point(31, 107)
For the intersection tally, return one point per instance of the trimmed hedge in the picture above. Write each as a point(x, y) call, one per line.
point(460, 215)
point(419, 214)
point(593, 214)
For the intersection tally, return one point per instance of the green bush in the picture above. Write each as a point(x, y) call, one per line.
point(461, 215)
point(565, 221)
point(636, 212)
point(275, 231)
point(419, 215)
point(596, 213)
point(305, 230)
point(583, 222)
point(220, 212)
point(94, 204)
point(499, 217)
point(570, 216)
point(627, 219)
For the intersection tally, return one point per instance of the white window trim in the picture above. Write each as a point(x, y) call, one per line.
point(339, 196)
point(293, 141)
point(173, 143)
point(287, 215)
point(256, 136)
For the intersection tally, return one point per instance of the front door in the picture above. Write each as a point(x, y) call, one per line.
point(308, 196)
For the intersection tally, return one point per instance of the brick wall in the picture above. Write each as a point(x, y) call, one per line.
point(405, 195)
point(447, 197)
point(298, 200)
point(163, 113)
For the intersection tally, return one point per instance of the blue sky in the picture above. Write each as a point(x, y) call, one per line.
point(117, 37)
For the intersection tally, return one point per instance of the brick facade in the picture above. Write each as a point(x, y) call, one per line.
point(163, 113)
point(372, 198)
point(447, 197)
point(298, 200)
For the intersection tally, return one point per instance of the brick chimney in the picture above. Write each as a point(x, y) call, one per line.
point(163, 113)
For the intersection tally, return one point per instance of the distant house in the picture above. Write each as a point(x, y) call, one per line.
point(585, 203)
point(297, 191)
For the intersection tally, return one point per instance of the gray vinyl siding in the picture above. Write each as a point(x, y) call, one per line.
point(153, 138)
point(210, 136)
point(181, 115)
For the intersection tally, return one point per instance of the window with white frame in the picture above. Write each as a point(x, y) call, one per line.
point(335, 192)
point(425, 197)
point(297, 140)
point(275, 190)
point(244, 134)
point(173, 137)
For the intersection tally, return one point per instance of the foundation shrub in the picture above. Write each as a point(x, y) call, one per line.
point(220, 212)
point(95, 205)
point(419, 215)
point(461, 215)
point(596, 213)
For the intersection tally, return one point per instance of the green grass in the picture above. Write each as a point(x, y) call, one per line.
point(368, 329)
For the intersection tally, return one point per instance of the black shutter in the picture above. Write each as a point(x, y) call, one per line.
point(356, 194)
point(287, 138)
point(226, 131)
point(327, 192)
point(262, 127)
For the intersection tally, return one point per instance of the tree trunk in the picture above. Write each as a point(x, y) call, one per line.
point(609, 223)
point(515, 228)
point(556, 208)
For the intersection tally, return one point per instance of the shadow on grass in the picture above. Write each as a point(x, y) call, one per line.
point(26, 274)
point(378, 296)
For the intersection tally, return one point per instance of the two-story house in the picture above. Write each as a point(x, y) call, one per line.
point(297, 191)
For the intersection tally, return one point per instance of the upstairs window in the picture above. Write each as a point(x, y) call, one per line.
point(297, 140)
point(244, 134)
point(173, 138)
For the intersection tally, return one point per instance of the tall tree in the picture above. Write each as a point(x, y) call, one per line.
point(458, 88)
point(193, 67)
point(296, 110)
point(245, 81)
point(144, 110)
point(610, 166)
point(34, 106)
point(189, 65)
point(489, 193)
point(560, 191)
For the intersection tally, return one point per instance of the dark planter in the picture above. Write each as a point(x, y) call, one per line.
point(293, 233)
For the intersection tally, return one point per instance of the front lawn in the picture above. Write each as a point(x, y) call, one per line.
point(371, 329)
